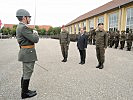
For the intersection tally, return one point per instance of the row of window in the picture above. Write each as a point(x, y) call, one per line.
point(113, 21)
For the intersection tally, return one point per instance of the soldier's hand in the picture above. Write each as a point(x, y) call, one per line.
point(35, 32)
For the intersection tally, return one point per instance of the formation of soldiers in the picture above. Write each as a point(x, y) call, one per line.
point(27, 39)
point(116, 39)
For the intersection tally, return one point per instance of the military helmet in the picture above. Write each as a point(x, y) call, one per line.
point(22, 12)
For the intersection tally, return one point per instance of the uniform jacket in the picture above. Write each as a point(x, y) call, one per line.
point(82, 42)
point(26, 37)
point(123, 36)
point(64, 37)
point(101, 39)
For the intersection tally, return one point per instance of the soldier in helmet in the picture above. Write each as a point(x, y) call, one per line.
point(64, 43)
point(129, 40)
point(122, 39)
point(27, 54)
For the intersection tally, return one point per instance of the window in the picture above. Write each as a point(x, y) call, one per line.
point(70, 30)
point(129, 24)
point(79, 27)
point(101, 19)
point(113, 22)
point(75, 28)
point(84, 25)
point(91, 24)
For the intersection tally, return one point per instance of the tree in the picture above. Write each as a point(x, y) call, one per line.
point(50, 31)
point(56, 30)
point(43, 31)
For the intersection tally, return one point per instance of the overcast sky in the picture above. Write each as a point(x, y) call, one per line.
point(48, 12)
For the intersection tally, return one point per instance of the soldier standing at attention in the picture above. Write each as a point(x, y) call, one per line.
point(122, 39)
point(101, 44)
point(117, 36)
point(27, 54)
point(64, 43)
point(129, 40)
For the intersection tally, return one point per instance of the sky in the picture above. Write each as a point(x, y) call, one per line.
point(48, 12)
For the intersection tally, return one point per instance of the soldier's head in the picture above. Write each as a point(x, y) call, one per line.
point(81, 30)
point(63, 27)
point(101, 26)
point(23, 16)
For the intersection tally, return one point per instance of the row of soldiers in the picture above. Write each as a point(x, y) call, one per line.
point(115, 38)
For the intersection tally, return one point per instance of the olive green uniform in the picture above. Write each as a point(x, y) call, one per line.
point(27, 56)
point(122, 39)
point(117, 37)
point(101, 44)
point(129, 41)
point(64, 43)
point(112, 36)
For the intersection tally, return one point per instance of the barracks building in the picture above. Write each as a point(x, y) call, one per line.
point(116, 15)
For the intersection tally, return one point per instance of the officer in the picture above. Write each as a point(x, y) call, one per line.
point(122, 39)
point(27, 54)
point(117, 36)
point(64, 43)
point(129, 40)
point(101, 44)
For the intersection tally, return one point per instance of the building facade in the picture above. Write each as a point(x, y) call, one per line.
point(116, 15)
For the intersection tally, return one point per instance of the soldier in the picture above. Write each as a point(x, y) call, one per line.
point(129, 40)
point(64, 43)
point(82, 45)
point(101, 44)
point(122, 39)
point(112, 39)
point(108, 36)
point(117, 36)
point(93, 36)
point(27, 54)
point(90, 35)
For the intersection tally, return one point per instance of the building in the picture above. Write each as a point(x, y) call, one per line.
point(116, 15)
point(31, 26)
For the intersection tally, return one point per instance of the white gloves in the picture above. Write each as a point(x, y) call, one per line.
point(35, 32)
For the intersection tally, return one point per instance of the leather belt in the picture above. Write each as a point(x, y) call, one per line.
point(28, 46)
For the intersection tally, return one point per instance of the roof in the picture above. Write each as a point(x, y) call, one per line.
point(31, 26)
point(41, 27)
point(108, 6)
point(8, 25)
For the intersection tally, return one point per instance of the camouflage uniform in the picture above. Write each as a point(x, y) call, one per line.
point(129, 40)
point(117, 36)
point(122, 39)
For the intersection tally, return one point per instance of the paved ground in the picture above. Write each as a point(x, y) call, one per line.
point(67, 81)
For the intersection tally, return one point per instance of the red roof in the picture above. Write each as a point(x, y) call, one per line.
point(108, 6)
point(8, 25)
point(31, 26)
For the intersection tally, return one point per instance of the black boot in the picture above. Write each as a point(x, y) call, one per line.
point(25, 93)
point(64, 60)
point(28, 86)
point(101, 67)
point(98, 65)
